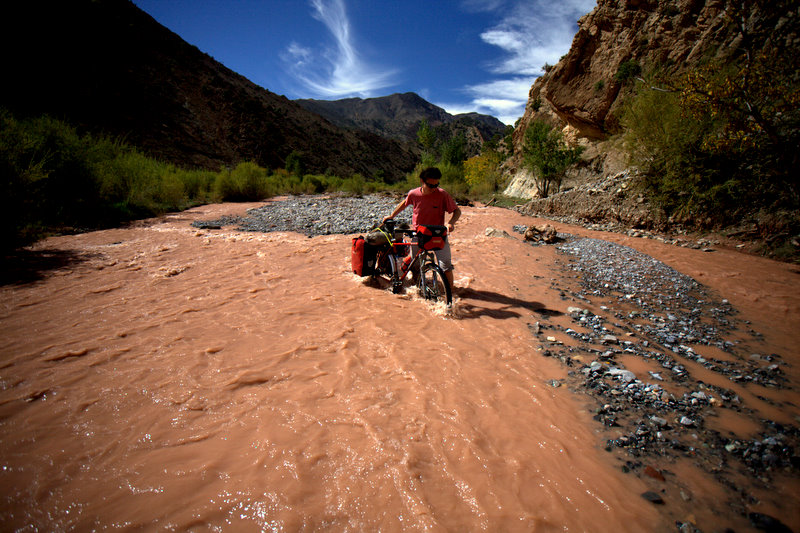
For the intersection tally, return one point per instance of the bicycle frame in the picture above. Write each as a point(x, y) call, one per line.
point(398, 268)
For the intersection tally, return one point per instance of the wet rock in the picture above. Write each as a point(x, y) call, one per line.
point(493, 232)
point(625, 376)
point(653, 497)
point(544, 233)
point(660, 422)
point(653, 473)
point(767, 523)
point(687, 527)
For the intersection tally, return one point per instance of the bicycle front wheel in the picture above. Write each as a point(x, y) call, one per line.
point(386, 267)
point(433, 284)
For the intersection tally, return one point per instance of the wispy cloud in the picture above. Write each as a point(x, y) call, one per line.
point(337, 71)
point(529, 34)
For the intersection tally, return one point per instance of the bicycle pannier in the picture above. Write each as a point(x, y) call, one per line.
point(362, 257)
point(431, 237)
point(377, 237)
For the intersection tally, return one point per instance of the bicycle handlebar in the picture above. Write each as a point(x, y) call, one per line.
point(390, 228)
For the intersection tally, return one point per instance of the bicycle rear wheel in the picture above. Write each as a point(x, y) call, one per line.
point(433, 284)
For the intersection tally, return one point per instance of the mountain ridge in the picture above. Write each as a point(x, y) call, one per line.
point(109, 68)
point(398, 116)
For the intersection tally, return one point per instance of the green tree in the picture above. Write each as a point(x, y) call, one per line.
point(294, 164)
point(545, 154)
point(426, 136)
point(454, 150)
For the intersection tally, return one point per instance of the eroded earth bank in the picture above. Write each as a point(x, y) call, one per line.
point(170, 376)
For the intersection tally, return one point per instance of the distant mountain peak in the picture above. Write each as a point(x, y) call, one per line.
point(396, 116)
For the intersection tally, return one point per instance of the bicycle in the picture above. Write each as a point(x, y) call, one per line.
point(395, 262)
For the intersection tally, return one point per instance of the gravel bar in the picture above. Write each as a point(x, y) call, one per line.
point(650, 311)
point(314, 215)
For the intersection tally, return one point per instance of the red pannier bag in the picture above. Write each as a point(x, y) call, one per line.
point(362, 257)
point(431, 237)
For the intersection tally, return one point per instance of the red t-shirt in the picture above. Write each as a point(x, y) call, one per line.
point(430, 208)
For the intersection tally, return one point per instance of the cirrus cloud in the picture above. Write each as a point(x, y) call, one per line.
point(338, 70)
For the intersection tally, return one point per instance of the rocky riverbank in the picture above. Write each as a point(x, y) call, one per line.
point(619, 204)
point(649, 312)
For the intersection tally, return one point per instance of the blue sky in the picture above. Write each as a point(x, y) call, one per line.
point(462, 55)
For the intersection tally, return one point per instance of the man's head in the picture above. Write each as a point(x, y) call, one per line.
point(430, 177)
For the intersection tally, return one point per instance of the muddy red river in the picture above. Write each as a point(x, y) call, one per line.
point(165, 377)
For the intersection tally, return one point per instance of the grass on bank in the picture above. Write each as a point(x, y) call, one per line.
point(55, 180)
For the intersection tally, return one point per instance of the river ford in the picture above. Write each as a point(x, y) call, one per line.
point(235, 375)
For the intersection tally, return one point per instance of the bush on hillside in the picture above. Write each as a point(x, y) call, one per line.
point(483, 175)
point(627, 70)
point(720, 146)
point(54, 179)
point(246, 182)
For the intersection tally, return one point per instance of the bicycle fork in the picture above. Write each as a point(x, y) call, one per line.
point(400, 270)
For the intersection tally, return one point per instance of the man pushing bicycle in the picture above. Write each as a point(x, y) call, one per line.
point(430, 203)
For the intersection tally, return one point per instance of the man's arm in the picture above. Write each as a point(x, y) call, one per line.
point(397, 210)
point(453, 219)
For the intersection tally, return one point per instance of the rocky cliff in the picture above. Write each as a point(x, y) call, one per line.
point(583, 89)
point(108, 67)
point(584, 93)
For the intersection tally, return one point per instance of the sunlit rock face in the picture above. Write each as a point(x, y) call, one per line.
point(583, 90)
point(583, 94)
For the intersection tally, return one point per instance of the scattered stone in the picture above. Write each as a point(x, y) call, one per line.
point(666, 318)
point(493, 232)
point(544, 233)
point(314, 215)
point(652, 497)
point(768, 523)
point(653, 473)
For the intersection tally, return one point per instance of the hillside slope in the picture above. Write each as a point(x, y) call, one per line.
point(106, 66)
